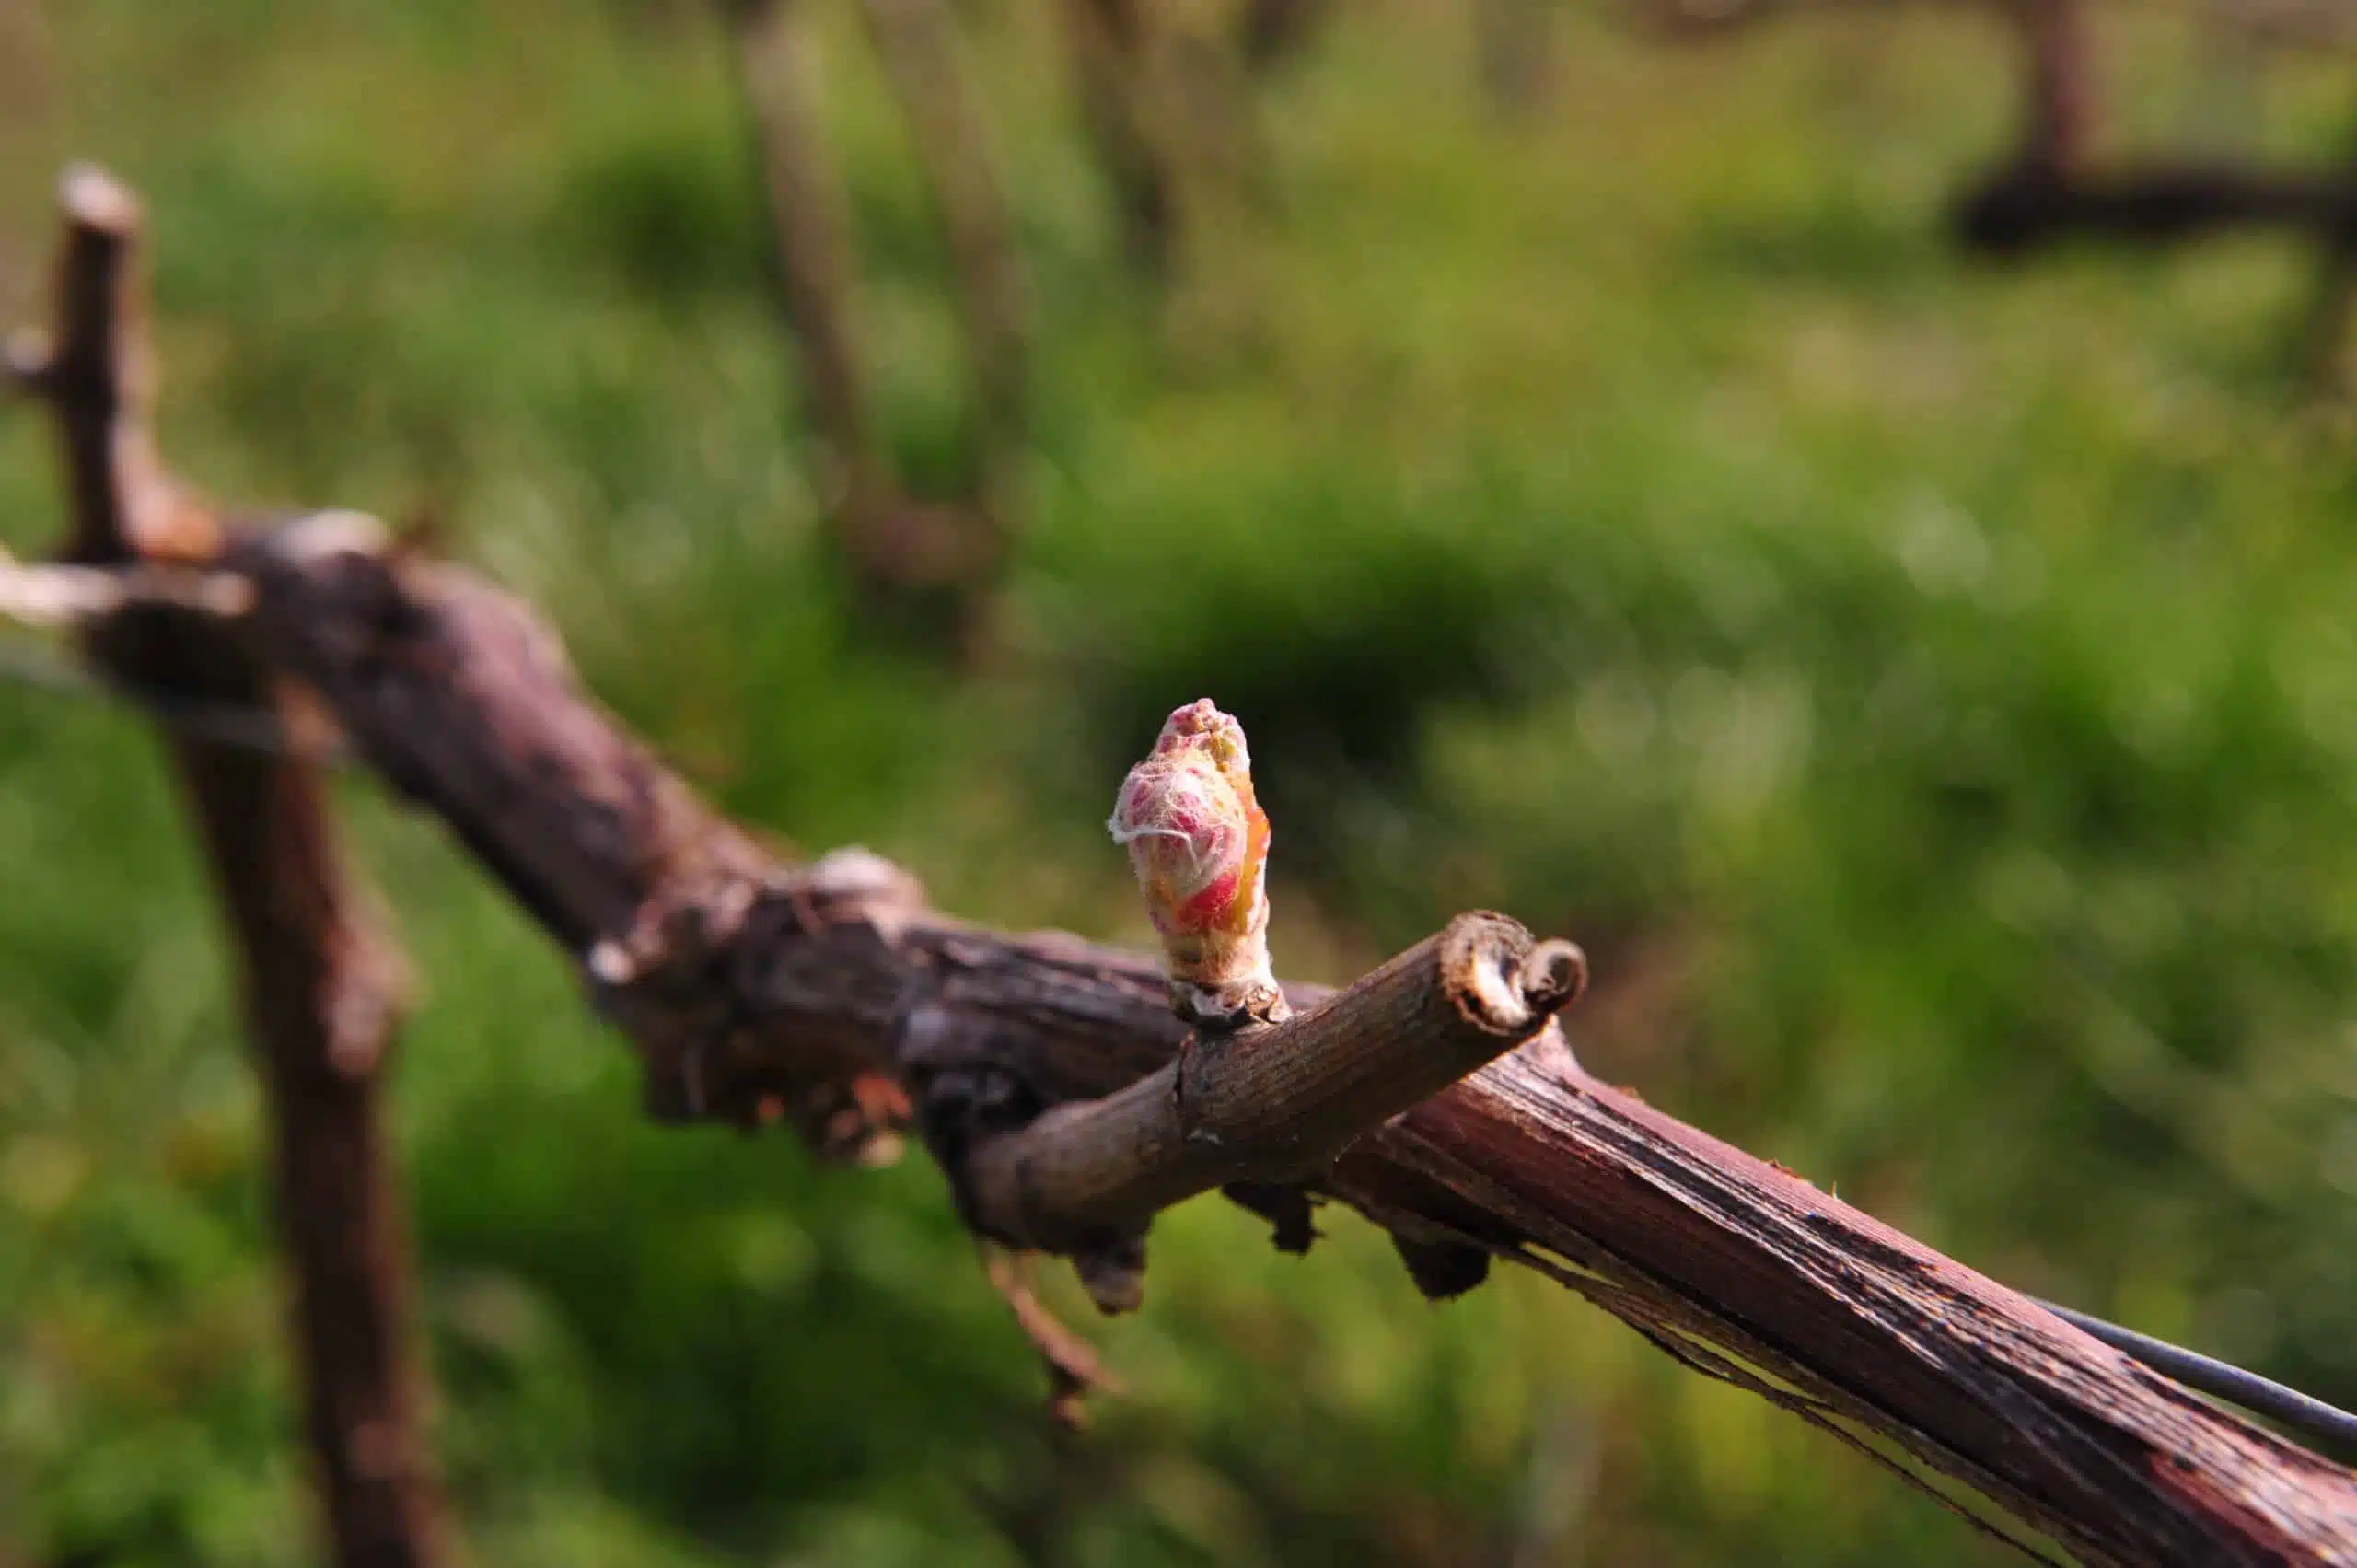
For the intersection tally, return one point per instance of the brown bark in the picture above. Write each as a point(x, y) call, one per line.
point(1748, 1273)
point(756, 991)
point(322, 995)
point(321, 991)
point(1267, 1105)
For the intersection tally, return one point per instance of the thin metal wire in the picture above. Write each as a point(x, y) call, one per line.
point(2304, 1413)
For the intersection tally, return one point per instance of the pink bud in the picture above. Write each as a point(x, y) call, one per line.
point(1200, 843)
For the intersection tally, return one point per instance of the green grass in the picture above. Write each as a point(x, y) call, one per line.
point(1935, 683)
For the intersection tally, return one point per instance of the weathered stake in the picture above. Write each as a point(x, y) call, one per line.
point(322, 991)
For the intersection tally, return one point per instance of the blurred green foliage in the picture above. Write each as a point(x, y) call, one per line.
point(1933, 692)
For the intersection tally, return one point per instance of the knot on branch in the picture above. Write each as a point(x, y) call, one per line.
point(725, 1035)
point(1442, 1270)
point(962, 1100)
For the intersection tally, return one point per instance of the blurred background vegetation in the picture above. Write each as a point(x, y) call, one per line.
point(1931, 691)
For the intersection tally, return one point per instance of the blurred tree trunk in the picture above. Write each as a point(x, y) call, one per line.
point(2320, 342)
point(1277, 31)
point(1168, 100)
point(2063, 114)
point(1113, 59)
point(810, 255)
point(917, 40)
point(322, 991)
point(935, 561)
point(1514, 42)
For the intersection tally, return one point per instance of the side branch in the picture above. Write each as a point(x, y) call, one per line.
point(1275, 1102)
